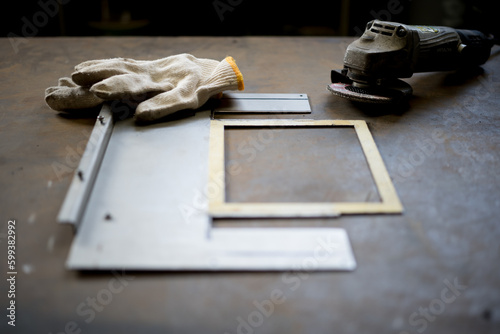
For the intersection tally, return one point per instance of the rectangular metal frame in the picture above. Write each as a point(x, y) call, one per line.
point(218, 207)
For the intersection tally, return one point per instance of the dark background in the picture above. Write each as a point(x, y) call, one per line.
point(235, 17)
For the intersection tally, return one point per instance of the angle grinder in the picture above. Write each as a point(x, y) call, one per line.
point(388, 51)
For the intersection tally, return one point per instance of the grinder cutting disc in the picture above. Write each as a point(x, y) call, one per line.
point(392, 92)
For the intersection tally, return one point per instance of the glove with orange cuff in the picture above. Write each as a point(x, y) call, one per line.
point(164, 86)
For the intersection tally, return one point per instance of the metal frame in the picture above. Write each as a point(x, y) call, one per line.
point(218, 207)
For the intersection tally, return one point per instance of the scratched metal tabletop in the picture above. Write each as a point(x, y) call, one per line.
point(433, 269)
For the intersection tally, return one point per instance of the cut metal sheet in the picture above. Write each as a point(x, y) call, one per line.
point(148, 210)
point(264, 103)
point(220, 208)
point(228, 249)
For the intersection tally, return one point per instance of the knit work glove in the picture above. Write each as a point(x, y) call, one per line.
point(164, 86)
point(67, 96)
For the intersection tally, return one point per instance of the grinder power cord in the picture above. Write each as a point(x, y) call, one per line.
point(162, 86)
point(388, 51)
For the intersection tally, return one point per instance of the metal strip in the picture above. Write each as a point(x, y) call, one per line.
point(264, 103)
point(259, 96)
point(83, 180)
point(216, 176)
point(380, 175)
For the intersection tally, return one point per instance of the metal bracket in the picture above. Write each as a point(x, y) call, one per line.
point(83, 180)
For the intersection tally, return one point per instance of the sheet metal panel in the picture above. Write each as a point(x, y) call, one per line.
point(148, 211)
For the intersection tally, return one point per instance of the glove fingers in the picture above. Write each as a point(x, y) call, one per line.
point(66, 82)
point(135, 86)
point(62, 82)
point(93, 71)
point(89, 63)
point(70, 98)
point(51, 89)
point(165, 104)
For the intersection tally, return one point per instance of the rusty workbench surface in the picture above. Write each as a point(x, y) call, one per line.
point(433, 269)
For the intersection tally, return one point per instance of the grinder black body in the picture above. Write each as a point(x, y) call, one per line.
point(388, 51)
